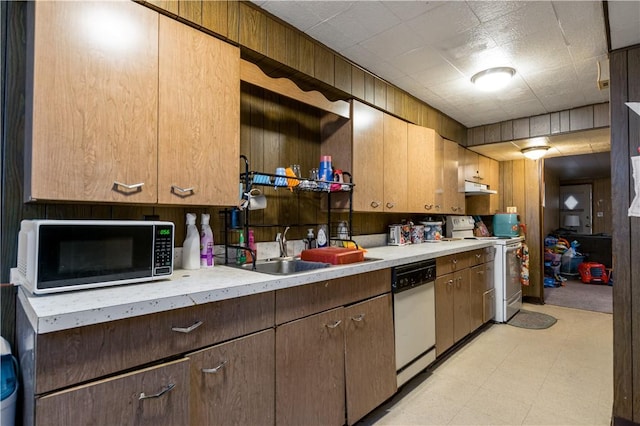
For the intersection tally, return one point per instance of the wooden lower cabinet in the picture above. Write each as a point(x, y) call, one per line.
point(444, 313)
point(461, 304)
point(477, 283)
point(344, 354)
point(153, 396)
point(464, 295)
point(369, 356)
point(232, 383)
point(310, 382)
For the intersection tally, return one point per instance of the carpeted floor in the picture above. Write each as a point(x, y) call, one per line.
point(576, 294)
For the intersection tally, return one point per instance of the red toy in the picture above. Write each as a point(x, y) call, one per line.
point(592, 272)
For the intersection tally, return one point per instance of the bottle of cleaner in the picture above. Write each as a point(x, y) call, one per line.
point(311, 239)
point(206, 243)
point(241, 256)
point(252, 245)
point(191, 245)
point(323, 236)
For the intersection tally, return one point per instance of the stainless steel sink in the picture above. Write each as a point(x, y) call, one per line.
point(284, 266)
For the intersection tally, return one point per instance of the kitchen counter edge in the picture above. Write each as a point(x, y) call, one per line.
point(62, 311)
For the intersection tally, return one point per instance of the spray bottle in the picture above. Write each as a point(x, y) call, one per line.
point(191, 245)
point(206, 243)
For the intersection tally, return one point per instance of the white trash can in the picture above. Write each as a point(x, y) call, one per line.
point(9, 384)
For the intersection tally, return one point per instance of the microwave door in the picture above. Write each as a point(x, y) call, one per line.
point(79, 255)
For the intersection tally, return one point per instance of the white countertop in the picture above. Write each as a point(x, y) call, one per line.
point(61, 311)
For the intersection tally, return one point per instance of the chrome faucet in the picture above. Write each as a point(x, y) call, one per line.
point(282, 239)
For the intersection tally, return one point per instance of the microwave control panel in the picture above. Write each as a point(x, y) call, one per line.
point(163, 250)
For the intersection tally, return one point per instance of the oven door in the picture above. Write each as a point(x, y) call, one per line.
point(513, 287)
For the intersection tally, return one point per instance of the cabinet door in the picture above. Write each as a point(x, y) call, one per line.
point(438, 172)
point(461, 304)
point(369, 356)
point(453, 199)
point(477, 283)
point(153, 396)
point(91, 119)
point(232, 383)
point(471, 170)
point(395, 164)
point(444, 313)
point(310, 387)
point(368, 158)
point(199, 117)
point(489, 276)
point(489, 308)
point(421, 169)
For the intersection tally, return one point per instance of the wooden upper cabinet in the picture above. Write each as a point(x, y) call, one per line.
point(395, 164)
point(199, 117)
point(421, 169)
point(91, 116)
point(253, 28)
point(368, 157)
point(438, 174)
point(453, 198)
point(476, 167)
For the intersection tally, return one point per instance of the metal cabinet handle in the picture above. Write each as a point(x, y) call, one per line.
point(137, 186)
point(478, 255)
point(214, 369)
point(159, 394)
point(428, 206)
point(187, 329)
point(334, 325)
point(375, 204)
point(437, 206)
point(449, 283)
point(358, 318)
point(390, 205)
point(454, 261)
point(182, 191)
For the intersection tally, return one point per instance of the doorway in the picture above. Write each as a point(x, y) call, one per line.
point(576, 208)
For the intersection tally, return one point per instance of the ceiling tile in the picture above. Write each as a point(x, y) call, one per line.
point(393, 42)
point(443, 22)
point(488, 10)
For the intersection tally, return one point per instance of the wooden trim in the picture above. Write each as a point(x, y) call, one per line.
point(252, 74)
point(623, 363)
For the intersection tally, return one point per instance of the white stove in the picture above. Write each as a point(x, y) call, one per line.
point(507, 278)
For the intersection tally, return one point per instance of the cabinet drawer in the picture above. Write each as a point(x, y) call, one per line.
point(85, 353)
point(301, 301)
point(451, 263)
point(476, 257)
point(121, 400)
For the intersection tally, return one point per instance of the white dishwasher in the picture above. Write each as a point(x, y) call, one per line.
point(414, 317)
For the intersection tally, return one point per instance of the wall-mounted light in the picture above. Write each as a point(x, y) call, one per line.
point(493, 78)
point(535, 152)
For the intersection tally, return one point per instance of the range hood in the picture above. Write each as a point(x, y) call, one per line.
point(472, 188)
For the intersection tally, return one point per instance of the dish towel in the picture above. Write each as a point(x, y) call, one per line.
point(523, 254)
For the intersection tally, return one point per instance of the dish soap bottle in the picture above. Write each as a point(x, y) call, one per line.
point(311, 239)
point(241, 256)
point(322, 240)
point(206, 243)
point(191, 245)
point(252, 245)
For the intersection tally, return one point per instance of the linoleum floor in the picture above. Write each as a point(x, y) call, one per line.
point(512, 376)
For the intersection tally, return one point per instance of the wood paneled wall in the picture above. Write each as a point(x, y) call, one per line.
point(625, 139)
point(282, 50)
point(521, 187)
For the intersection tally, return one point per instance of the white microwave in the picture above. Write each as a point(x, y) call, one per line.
point(63, 255)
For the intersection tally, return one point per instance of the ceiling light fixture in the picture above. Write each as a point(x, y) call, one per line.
point(493, 78)
point(535, 152)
